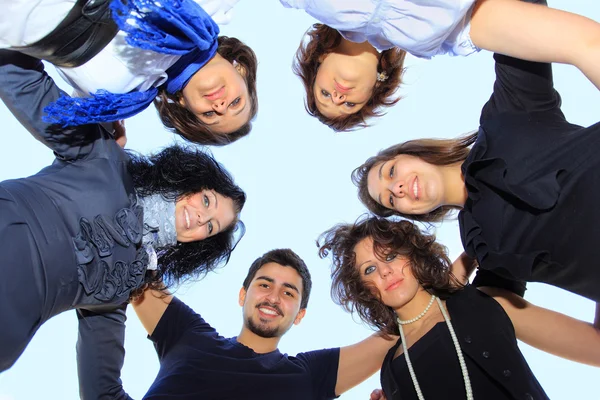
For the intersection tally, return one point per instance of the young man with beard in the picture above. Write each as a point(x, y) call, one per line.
point(197, 363)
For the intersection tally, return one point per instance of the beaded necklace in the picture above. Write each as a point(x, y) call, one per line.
point(461, 359)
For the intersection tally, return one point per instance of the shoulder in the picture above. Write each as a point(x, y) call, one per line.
point(319, 356)
point(469, 299)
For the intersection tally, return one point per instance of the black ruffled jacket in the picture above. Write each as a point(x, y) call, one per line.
point(532, 210)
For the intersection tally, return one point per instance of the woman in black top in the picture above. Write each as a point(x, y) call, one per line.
point(525, 184)
point(89, 230)
point(389, 272)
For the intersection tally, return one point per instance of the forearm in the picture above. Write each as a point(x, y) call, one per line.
point(550, 331)
point(27, 90)
point(361, 360)
point(534, 32)
point(100, 354)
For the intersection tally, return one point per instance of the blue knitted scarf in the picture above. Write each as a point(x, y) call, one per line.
point(179, 27)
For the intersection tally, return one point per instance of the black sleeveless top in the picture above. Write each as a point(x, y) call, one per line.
point(496, 367)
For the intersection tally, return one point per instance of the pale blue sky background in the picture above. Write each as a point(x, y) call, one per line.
point(296, 173)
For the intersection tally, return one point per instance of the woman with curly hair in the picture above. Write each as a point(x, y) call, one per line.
point(351, 63)
point(168, 52)
point(99, 225)
point(455, 341)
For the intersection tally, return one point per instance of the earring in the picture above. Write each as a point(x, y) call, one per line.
point(381, 76)
point(235, 63)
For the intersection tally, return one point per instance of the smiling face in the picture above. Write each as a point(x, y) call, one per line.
point(407, 184)
point(392, 279)
point(203, 214)
point(218, 96)
point(271, 305)
point(344, 83)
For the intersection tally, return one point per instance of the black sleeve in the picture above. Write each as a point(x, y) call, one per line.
point(26, 89)
point(100, 354)
point(323, 366)
point(177, 319)
point(488, 278)
point(522, 86)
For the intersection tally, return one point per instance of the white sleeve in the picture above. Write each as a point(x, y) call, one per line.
point(23, 22)
point(299, 4)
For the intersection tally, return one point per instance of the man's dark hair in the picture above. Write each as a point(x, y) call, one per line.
point(285, 258)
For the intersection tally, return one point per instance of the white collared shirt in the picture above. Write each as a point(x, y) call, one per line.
point(118, 68)
point(424, 28)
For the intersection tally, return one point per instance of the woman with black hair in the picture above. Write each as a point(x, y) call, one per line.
point(98, 224)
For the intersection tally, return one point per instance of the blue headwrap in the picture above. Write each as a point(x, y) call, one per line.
point(179, 27)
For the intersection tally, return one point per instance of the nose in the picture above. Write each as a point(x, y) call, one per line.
point(384, 270)
point(219, 105)
point(397, 188)
point(337, 98)
point(273, 297)
point(202, 219)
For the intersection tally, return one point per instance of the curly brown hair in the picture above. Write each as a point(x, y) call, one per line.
point(432, 151)
point(183, 122)
point(428, 259)
point(323, 40)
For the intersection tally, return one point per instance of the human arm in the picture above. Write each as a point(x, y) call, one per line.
point(548, 330)
point(26, 89)
point(522, 87)
point(167, 319)
point(150, 307)
point(361, 360)
point(100, 354)
point(463, 267)
point(538, 33)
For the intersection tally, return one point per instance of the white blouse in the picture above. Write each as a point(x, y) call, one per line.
point(118, 68)
point(424, 28)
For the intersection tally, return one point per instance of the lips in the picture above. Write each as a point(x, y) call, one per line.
point(394, 285)
point(341, 88)
point(270, 310)
point(414, 188)
point(216, 94)
point(186, 214)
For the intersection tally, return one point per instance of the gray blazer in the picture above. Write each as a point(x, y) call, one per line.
point(75, 235)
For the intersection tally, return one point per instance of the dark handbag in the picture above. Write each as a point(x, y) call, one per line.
point(84, 32)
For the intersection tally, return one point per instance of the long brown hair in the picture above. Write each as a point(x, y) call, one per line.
point(323, 40)
point(183, 122)
point(432, 151)
point(429, 263)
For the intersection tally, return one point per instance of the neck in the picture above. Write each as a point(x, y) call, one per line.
point(415, 307)
point(257, 343)
point(357, 49)
point(456, 191)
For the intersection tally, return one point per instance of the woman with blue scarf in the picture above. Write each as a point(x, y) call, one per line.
point(168, 52)
point(100, 224)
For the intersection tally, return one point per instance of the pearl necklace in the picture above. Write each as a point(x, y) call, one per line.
point(461, 359)
point(418, 317)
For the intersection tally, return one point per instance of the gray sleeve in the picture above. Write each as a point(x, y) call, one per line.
point(26, 89)
point(100, 354)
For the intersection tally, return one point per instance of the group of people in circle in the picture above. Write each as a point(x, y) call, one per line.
point(102, 227)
